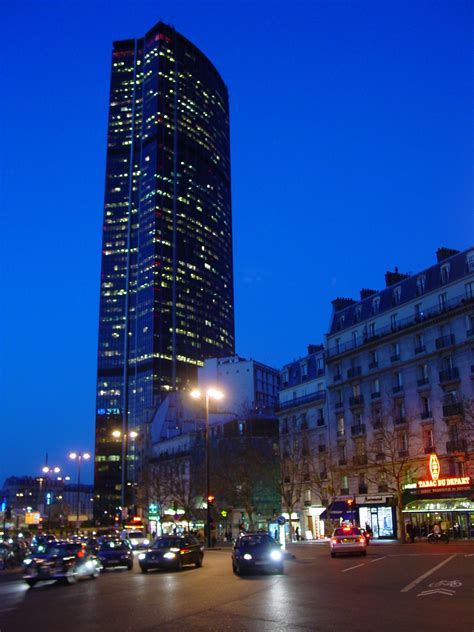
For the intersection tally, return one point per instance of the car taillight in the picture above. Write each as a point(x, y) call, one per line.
point(334, 541)
point(362, 539)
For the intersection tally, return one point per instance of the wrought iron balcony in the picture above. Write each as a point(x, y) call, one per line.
point(354, 372)
point(395, 357)
point(363, 489)
point(420, 349)
point(452, 409)
point(359, 459)
point(426, 414)
point(456, 446)
point(358, 430)
point(423, 381)
point(398, 421)
point(444, 341)
point(398, 388)
point(341, 433)
point(449, 375)
point(301, 401)
point(356, 400)
point(375, 395)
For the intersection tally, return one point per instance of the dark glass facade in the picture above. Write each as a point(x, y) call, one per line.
point(166, 299)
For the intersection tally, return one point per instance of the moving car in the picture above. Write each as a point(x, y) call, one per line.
point(172, 552)
point(256, 551)
point(65, 561)
point(138, 540)
point(113, 553)
point(348, 540)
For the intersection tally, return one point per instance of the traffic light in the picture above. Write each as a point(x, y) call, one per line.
point(211, 499)
point(349, 502)
point(224, 513)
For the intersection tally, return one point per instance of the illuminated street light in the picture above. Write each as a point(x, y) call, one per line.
point(117, 434)
point(211, 393)
point(76, 456)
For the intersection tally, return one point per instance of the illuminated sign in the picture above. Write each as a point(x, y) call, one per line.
point(436, 482)
point(32, 517)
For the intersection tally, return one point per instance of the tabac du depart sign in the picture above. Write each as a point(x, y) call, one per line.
point(436, 482)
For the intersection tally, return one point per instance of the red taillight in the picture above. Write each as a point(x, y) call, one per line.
point(362, 539)
point(334, 541)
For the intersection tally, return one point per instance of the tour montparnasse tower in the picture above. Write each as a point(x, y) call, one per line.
point(166, 299)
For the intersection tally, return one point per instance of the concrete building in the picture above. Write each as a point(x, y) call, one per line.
point(304, 442)
point(400, 369)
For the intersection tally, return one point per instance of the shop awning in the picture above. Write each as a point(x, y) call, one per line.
point(337, 510)
point(439, 504)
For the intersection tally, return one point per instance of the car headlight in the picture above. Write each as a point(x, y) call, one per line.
point(133, 541)
point(275, 555)
point(27, 561)
point(146, 541)
point(142, 556)
point(247, 556)
point(169, 555)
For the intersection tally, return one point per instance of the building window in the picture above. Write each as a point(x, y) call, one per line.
point(285, 377)
point(397, 379)
point(354, 338)
point(376, 305)
point(393, 322)
point(397, 292)
point(428, 439)
point(340, 426)
point(443, 300)
point(356, 390)
point(420, 285)
point(419, 343)
point(376, 386)
point(373, 360)
point(469, 287)
point(470, 261)
point(445, 273)
point(357, 313)
point(403, 444)
point(372, 330)
point(395, 352)
point(304, 370)
point(425, 406)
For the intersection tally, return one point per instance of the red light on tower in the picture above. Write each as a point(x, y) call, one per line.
point(211, 499)
point(434, 467)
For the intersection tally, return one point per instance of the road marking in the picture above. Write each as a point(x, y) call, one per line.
point(378, 559)
point(351, 568)
point(427, 574)
point(442, 591)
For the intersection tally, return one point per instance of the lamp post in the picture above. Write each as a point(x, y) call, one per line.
point(47, 471)
point(124, 436)
point(76, 456)
point(211, 393)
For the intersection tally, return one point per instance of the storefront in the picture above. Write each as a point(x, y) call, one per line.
point(446, 501)
point(379, 513)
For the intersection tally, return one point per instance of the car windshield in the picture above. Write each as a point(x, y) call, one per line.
point(136, 534)
point(167, 543)
point(63, 549)
point(114, 546)
point(347, 531)
point(254, 540)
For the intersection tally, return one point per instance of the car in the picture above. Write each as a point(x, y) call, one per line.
point(257, 552)
point(40, 542)
point(65, 561)
point(113, 553)
point(138, 540)
point(7, 556)
point(348, 539)
point(172, 552)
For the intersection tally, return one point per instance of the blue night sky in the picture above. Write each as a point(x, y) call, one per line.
point(351, 130)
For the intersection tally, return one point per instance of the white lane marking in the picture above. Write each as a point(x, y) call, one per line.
point(378, 559)
point(427, 574)
point(351, 568)
point(442, 591)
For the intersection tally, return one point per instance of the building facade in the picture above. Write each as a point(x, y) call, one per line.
point(400, 369)
point(166, 300)
point(304, 443)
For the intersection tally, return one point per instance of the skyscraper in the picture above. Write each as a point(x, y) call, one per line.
point(166, 299)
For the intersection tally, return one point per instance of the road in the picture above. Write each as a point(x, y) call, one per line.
point(396, 587)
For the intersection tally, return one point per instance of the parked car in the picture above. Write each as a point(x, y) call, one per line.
point(256, 552)
point(172, 552)
point(65, 561)
point(138, 540)
point(113, 553)
point(348, 540)
point(7, 556)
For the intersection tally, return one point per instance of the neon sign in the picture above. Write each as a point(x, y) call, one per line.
point(437, 482)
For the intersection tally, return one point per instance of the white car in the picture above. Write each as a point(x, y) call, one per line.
point(138, 540)
point(348, 540)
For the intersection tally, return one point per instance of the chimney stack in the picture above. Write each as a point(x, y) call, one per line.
point(394, 277)
point(340, 303)
point(443, 253)
point(365, 293)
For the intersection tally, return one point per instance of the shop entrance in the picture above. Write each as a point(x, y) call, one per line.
point(380, 520)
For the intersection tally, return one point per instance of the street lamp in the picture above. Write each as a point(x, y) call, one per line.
point(117, 434)
point(76, 456)
point(47, 471)
point(211, 393)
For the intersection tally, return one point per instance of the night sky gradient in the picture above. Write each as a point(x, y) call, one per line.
point(352, 152)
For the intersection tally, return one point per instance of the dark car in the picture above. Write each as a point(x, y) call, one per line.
point(172, 552)
point(40, 542)
point(113, 553)
point(7, 556)
point(256, 551)
point(65, 561)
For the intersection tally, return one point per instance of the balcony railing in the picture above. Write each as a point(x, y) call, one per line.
point(341, 433)
point(373, 365)
point(398, 421)
point(452, 409)
point(456, 446)
point(320, 422)
point(423, 381)
point(342, 461)
point(426, 414)
point(449, 375)
point(337, 377)
point(395, 357)
point(420, 349)
point(403, 323)
point(444, 341)
point(354, 372)
point(358, 430)
point(356, 400)
point(377, 425)
point(398, 388)
point(300, 401)
point(429, 449)
point(383, 488)
point(375, 395)
point(359, 459)
point(338, 405)
point(363, 489)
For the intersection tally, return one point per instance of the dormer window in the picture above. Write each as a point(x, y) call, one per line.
point(357, 314)
point(304, 370)
point(420, 284)
point(444, 272)
point(340, 322)
point(397, 292)
point(470, 261)
point(284, 377)
point(376, 305)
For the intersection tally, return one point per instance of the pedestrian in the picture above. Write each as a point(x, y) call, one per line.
point(275, 535)
point(297, 534)
point(411, 532)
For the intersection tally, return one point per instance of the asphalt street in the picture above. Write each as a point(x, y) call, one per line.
point(396, 587)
